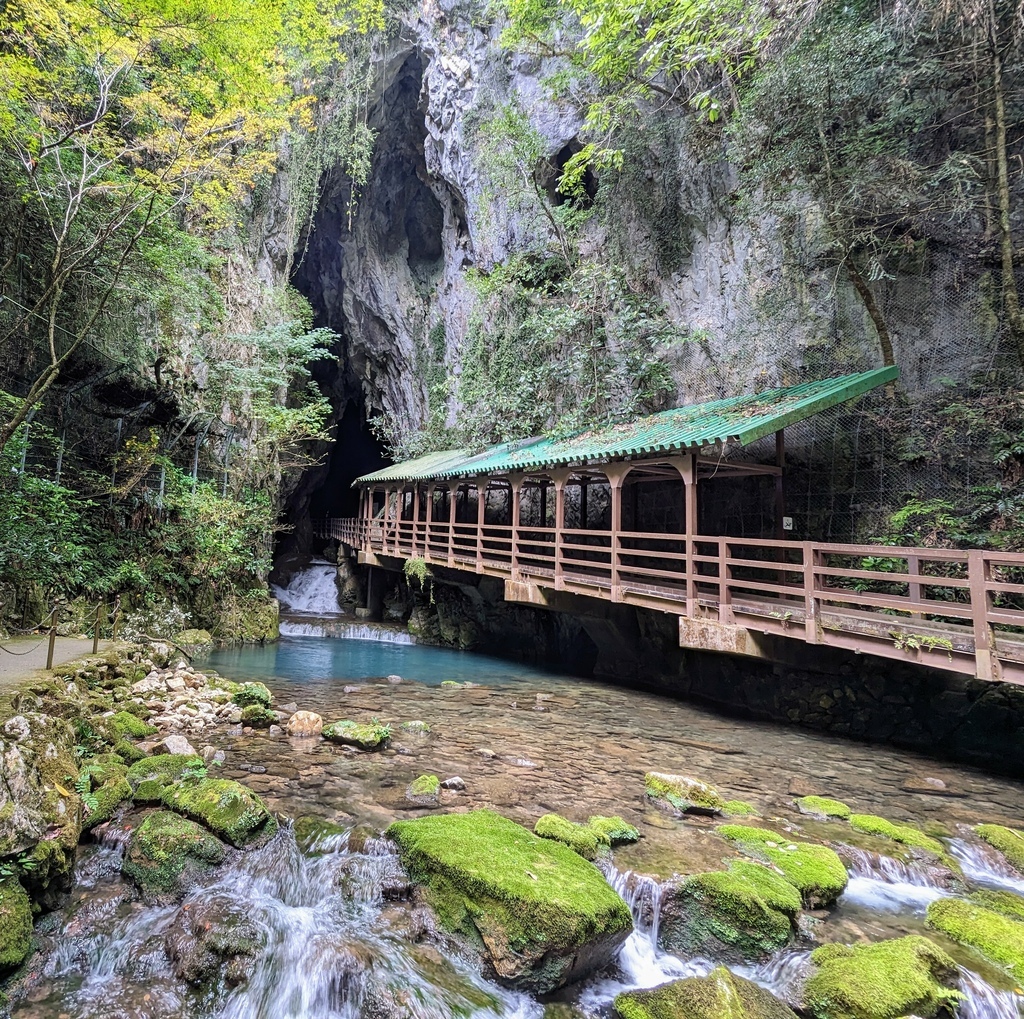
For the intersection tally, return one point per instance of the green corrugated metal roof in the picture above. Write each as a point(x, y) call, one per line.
point(739, 419)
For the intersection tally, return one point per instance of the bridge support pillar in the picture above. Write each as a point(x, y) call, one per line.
point(616, 475)
point(559, 478)
point(515, 483)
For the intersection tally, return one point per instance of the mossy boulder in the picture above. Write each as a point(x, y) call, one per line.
point(253, 693)
point(823, 808)
point(745, 912)
point(1009, 842)
point(905, 835)
point(169, 853)
point(578, 837)
point(213, 943)
point(541, 915)
point(815, 870)
point(128, 752)
point(886, 980)
point(227, 808)
point(127, 725)
point(363, 736)
point(613, 830)
point(719, 995)
point(149, 777)
point(1007, 903)
point(107, 788)
point(682, 794)
point(194, 640)
point(15, 924)
point(424, 789)
point(996, 935)
point(739, 808)
point(416, 726)
point(315, 834)
point(258, 717)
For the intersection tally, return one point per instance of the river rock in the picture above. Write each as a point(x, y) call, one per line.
point(174, 743)
point(682, 794)
point(305, 723)
point(107, 786)
point(720, 995)
point(227, 808)
point(211, 938)
point(544, 916)
point(454, 784)
point(151, 775)
point(898, 977)
point(169, 853)
point(371, 736)
point(15, 924)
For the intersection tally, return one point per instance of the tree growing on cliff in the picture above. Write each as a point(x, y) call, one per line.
point(125, 128)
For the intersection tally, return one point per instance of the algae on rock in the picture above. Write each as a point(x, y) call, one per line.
point(683, 794)
point(542, 915)
point(580, 838)
point(369, 736)
point(822, 807)
point(720, 995)
point(151, 775)
point(886, 980)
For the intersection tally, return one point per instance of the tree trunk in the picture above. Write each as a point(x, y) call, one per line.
point(871, 306)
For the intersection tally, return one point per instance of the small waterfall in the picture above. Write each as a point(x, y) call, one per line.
point(312, 591)
point(345, 631)
point(986, 866)
point(783, 974)
point(983, 1001)
point(889, 886)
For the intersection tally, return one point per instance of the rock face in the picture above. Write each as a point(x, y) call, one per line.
point(15, 924)
point(720, 995)
point(541, 915)
point(211, 941)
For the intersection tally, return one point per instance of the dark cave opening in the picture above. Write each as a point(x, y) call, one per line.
point(355, 452)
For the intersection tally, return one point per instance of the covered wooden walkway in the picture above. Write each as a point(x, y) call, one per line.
point(506, 513)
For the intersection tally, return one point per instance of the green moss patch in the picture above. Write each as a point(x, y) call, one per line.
point(425, 787)
point(169, 852)
point(1001, 902)
point(745, 912)
point(107, 788)
point(125, 725)
point(15, 924)
point(739, 808)
point(904, 834)
point(1009, 841)
point(720, 995)
point(368, 736)
point(613, 830)
point(541, 914)
point(253, 693)
point(683, 794)
point(151, 775)
point(257, 716)
point(995, 935)
point(823, 807)
point(900, 977)
point(227, 808)
point(578, 837)
point(815, 870)
point(416, 726)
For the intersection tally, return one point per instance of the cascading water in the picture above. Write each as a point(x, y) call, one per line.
point(312, 591)
point(886, 885)
point(982, 1001)
point(346, 631)
point(985, 866)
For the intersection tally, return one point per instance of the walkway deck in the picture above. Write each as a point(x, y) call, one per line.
point(947, 609)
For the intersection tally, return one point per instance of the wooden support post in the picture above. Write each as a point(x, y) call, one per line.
point(616, 475)
point(96, 629)
point(429, 520)
point(544, 503)
point(53, 634)
point(559, 478)
point(415, 516)
point(481, 507)
point(453, 498)
point(986, 663)
point(515, 484)
point(914, 587)
point(780, 491)
point(725, 614)
point(584, 503)
point(812, 607)
point(687, 467)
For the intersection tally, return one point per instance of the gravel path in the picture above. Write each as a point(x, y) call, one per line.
point(22, 656)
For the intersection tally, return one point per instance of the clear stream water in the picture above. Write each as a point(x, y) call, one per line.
point(332, 946)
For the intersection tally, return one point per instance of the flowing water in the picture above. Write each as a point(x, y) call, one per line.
point(312, 591)
point(328, 941)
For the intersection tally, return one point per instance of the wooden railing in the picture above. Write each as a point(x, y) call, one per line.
point(957, 610)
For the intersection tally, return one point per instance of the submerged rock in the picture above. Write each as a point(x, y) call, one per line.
point(745, 912)
point(210, 940)
point(998, 935)
point(257, 716)
point(370, 736)
point(815, 870)
point(578, 837)
point(682, 794)
point(227, 808)
point(15, 924)
point(304, 723)
point(720, 995)
point(149, 777)
point(542, 916)
point(899, 977)
point(822, 807)
point(1009, 842)
point(169, 853)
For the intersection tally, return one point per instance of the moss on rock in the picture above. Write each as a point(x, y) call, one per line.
point(739, 808)
point(126, 725)
point(425, 787)
point(227, 808)
point(151, 775)
point(815, 870)
point(904, 834)
point(257, 716)
point(108, 788)
point(15, 924)
point(580, 838)
point(686, 795)
point(1009, 842)
point(542, 915)
point(823, 807)
point(169, 852)
point(899, 977)
point(995, 935)
point(1001, 902)
point(369, 736)
point(253, 693)
point(613, 830)
point(719, 995)
point(742, 913)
